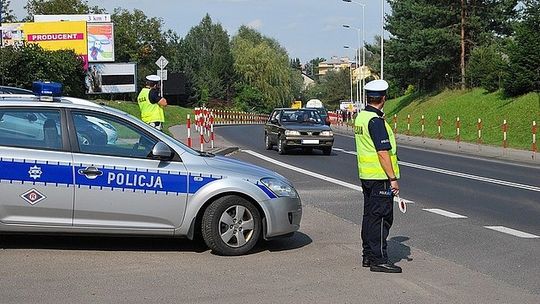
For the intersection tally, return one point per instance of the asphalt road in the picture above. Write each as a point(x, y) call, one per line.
point(479, 192)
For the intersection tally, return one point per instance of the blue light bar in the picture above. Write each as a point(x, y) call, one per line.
point(46, 88)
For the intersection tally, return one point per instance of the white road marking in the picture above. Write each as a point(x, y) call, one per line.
point(513, 232)
point(313, 174)
point(463, 175)
point(445, 213)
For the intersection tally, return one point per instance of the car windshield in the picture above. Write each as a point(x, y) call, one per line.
point(301, 116)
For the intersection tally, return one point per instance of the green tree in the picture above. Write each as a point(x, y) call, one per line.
point(312, 67)
point(33, 63)
point(486, 67)
point(261, 63)
point(207, 60)
point(524, 68)
point(140, 39)
point(51, 7)
point(7, 13)
point(332, 88)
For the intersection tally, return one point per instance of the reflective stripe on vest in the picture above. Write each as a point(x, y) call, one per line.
point(369, 166)
point(150, 112)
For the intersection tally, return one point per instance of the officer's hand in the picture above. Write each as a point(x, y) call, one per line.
point(395, 187)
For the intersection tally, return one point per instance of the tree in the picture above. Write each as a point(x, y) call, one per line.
point(486, 67)
point(312, 67)
point(51, 7)
point(7, 13)
point(424, 46)
point(524, 68)
point(332, 88)
point(261, 63)
point(207, 61)
point(139, 39)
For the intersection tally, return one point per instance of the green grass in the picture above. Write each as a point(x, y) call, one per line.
point(174, 115)
point(468, 105)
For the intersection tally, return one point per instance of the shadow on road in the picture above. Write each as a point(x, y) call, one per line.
point(398, 251)
point(153, 244)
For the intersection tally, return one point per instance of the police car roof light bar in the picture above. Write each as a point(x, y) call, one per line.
point(46, 90)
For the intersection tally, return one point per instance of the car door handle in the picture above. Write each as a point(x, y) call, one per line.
point(90, 172)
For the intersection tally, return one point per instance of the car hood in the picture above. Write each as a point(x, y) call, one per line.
point(248, 170)
point(306, 127)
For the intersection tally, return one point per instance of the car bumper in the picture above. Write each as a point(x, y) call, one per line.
point(311, 141)
point(283, 216)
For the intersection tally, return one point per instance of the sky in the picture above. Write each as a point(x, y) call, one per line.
point(306, 28)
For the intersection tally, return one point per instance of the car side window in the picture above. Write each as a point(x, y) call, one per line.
point(31, 128)
point(103, 135)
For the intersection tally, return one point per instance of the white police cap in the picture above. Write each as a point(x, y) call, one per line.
point(376, 88)
point(153, 78)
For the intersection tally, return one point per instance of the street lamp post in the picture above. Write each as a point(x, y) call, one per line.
point(350, 74)
point(359, 92)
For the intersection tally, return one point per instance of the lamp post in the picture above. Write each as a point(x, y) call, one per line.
point(359, 92)
point(350, 74)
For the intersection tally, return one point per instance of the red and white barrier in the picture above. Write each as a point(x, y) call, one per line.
point(505, 130)
point(458, 134)
point(439, 123)
point(479, 128)
point(189, 143)
point(533, 148)
point(408, 124)
point(423, 122)
point(395, 123)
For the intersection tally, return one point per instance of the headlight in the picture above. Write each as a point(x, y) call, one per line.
point(327, 133)
point(291, 132)
point(280, 188)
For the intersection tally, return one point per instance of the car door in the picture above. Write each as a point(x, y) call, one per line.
point(118, 185)
point(36, 168)
point(275, 126)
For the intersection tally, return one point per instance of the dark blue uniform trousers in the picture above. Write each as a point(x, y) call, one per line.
point(377, 219)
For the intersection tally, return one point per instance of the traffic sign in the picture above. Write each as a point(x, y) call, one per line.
point(162, 74)
point(162, 62)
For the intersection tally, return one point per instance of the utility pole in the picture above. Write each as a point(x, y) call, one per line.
point(462, 65)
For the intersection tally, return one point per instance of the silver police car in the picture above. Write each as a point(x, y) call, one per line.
point(69, 178)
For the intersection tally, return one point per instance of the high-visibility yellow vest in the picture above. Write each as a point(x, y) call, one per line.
point(150, 112)
point(369, 166)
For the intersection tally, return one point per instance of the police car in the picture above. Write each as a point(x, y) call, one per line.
point(142, 183)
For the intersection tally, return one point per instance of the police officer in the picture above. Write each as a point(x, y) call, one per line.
point(151, 103)
point(379, 173)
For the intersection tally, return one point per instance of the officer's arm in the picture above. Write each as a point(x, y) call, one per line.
point(386, 163)
point(379, 135)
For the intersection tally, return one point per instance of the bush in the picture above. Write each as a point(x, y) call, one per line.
point(20, 66)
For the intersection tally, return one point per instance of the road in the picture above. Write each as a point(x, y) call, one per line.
point(464, 196)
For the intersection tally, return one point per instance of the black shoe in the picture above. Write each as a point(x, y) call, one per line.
point(366, 262)
point(386, 267)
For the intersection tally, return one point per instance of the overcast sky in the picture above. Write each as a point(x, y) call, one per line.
point(306, 28)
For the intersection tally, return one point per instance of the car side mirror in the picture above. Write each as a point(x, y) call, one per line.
point(162, 152)
point(274, 121)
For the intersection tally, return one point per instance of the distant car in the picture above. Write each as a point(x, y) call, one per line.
point(14, 90)
point(298, 128)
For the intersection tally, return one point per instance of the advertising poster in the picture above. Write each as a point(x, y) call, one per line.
point(100, 42)
point(105, 78)
point(12, 34)
point(65, 35)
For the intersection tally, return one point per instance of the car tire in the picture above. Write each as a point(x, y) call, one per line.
point(231, 225)
point(327, 150)
point(267, 143)
point(281, 147)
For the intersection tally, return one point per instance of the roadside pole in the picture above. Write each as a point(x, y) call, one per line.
point(162, 63)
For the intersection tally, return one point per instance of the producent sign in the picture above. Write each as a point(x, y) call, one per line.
point(106, 78)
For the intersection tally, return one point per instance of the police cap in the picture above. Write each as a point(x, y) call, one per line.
point(376, 88)
point(153, 78)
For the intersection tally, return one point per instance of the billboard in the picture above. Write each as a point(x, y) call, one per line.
point(68, 35)
point(100, 42)
point(104, 78)
point(12, 34)
point(87, 18)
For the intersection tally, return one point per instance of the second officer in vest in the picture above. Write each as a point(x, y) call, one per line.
point(379, 173)
point(151, 103)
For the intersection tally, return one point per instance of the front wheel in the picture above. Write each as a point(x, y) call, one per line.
point(327, 150)
point(231, 225)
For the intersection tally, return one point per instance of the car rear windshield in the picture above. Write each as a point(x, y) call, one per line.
point(301, 116)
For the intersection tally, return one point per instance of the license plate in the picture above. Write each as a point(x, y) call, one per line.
point(310, 141)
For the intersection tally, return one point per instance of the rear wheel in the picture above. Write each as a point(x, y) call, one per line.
point(267, 144)
point(231, 225)
point(281, 147)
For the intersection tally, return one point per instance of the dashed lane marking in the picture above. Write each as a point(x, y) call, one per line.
point(513, 232)
point(445, 213)
point(459, 174)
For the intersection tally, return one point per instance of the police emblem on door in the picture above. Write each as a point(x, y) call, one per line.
point(33, 196)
